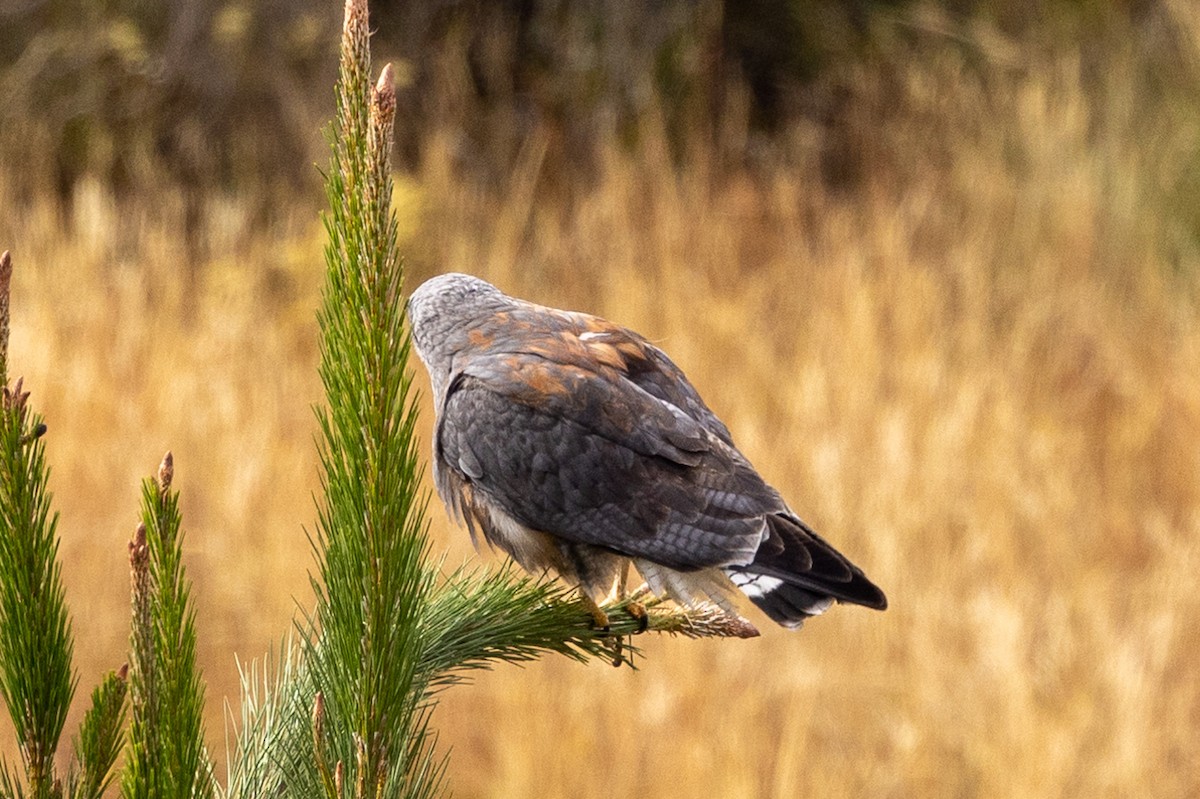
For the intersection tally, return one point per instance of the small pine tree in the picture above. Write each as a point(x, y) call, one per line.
point(166, 734)
point(37, 681)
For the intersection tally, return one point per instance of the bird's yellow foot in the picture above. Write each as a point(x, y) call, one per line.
point(599, 617)
point(638, 611)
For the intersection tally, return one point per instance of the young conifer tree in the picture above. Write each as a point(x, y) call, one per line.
point(166, 754)
point(37, 681)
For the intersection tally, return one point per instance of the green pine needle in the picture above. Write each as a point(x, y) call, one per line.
point(100, 739)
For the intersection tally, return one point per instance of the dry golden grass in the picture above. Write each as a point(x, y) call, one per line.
point(979, 376)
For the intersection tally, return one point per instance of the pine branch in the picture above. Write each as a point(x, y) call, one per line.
point(268, 733)
point(100, 738)
point(10, 786)
point(477, 620)
point(166, 754)
point(36, 680)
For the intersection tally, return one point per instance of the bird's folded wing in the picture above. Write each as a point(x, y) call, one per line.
point(598, 460)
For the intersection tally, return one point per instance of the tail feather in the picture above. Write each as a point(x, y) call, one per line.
point(796, 574)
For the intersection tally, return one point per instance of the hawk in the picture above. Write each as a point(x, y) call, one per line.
point(577, 446)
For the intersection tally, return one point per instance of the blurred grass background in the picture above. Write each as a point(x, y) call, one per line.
point(935, 264)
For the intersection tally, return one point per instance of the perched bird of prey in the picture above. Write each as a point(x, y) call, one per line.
point(577, 446)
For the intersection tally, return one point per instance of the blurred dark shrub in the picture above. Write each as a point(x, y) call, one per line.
point(209, 94)
point(229, 95)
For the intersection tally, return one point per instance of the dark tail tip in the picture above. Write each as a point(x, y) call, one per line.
point(796, 575)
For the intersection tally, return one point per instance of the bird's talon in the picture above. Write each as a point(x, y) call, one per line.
point(599, 618)
point(638, 611)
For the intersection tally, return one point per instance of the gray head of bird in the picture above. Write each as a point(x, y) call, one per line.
point(442, 314)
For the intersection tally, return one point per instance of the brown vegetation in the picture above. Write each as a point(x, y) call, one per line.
point(978, 373)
